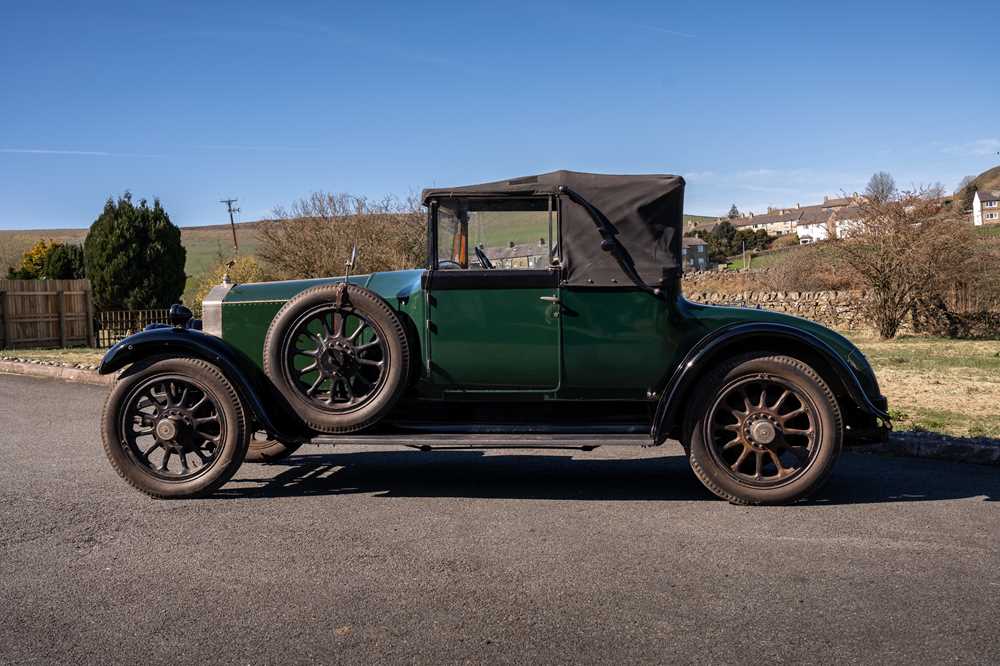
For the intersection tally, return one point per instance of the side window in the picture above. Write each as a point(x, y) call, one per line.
point(501, 233)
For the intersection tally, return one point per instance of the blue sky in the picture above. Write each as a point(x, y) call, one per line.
point(757, 103)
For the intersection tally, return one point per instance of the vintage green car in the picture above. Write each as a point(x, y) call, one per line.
point(549, 314)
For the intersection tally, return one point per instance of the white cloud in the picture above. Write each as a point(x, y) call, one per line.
point(79, 153)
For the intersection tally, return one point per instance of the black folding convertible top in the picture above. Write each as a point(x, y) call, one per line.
point(645, 213)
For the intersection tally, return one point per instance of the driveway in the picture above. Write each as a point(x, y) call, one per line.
point(354, 554)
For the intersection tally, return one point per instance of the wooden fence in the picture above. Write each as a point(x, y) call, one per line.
point(46, 313)
point(116, 325)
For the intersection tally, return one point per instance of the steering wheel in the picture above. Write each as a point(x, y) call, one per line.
point(452, 264)
point(484, 261)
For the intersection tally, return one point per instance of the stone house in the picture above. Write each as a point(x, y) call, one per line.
point(694, 254)
point(986, 207)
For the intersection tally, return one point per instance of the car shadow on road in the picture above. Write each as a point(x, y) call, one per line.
point(858, 478)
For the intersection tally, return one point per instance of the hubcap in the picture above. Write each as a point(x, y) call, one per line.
point(762, 432)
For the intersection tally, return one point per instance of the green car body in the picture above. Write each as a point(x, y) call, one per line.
point(497, 345)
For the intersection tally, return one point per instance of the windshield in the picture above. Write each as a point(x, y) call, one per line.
point(505, 232)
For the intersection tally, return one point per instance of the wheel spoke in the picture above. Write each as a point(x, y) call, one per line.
point(166, 459)
point(328, 327)
point(739, 461)
point(152, 448)
point(784, 396)
point(309, 368)
point(782, 470)
point(791, 415)
point(366, 361)
point(362, 326)
point(730, 444)
point(793, 431)
point(315, 385)
point(747, 405)
point(760, 464)
point(347, 389)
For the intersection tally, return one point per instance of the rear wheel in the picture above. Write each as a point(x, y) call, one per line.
point(764, 430)
point(174, 428)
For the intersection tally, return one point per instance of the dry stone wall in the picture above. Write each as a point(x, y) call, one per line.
point(836, 309)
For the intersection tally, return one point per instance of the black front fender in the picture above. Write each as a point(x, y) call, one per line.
point(714, 345)
point(268, 406)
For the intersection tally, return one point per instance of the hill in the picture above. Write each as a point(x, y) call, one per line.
point(987, 180)
point(204, 245)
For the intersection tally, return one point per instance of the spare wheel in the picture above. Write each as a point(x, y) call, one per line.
point(339, 355)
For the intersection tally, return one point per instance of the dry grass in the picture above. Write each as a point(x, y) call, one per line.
point(948, 386)
point(72, 355)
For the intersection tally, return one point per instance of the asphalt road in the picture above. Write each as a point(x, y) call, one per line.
point(360, 555)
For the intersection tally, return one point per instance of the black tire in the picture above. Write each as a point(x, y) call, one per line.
point(198, 406)
point(329, 397)
point(264, 450)
point(764, 429)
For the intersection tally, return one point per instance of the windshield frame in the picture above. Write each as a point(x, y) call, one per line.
point(554, 227)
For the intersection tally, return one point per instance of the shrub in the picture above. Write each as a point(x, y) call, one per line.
point(65, 262)
point(244, 269)
point(134, 257)
point(903, 249)
point(32, 265)
point(314, 237)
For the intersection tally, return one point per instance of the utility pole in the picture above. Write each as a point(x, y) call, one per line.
point(232, 224)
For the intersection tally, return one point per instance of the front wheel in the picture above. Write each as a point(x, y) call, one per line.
point(764, 430)
point(175, 428)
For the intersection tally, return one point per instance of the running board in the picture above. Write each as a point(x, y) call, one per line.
point(430, 441)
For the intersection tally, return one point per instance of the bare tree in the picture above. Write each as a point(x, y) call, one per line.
point(881, 187)
point(313, 237)
point(903, 249)
point(965, 182)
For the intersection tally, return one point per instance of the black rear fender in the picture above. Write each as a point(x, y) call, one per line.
point(269, 408)
point(770, 337)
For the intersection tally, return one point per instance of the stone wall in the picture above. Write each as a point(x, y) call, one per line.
point(836, 309)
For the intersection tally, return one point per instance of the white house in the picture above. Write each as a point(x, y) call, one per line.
point(986, 208)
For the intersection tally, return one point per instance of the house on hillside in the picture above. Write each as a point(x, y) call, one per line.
point(986, 207)
point(824, 222)
point(776, 222)
point(519, 255)
point(694, 252)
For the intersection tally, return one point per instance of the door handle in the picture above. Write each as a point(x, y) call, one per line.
point(549, 299)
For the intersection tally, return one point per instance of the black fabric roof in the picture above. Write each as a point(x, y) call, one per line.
point(646, 210)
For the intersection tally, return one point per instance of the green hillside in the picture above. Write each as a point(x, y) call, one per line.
point(204, 245)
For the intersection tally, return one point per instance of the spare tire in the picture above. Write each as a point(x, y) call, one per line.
point(339, 355)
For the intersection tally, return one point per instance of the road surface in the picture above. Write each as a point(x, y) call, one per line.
point(360, 555)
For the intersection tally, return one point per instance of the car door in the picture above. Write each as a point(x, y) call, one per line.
point(492, 295)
